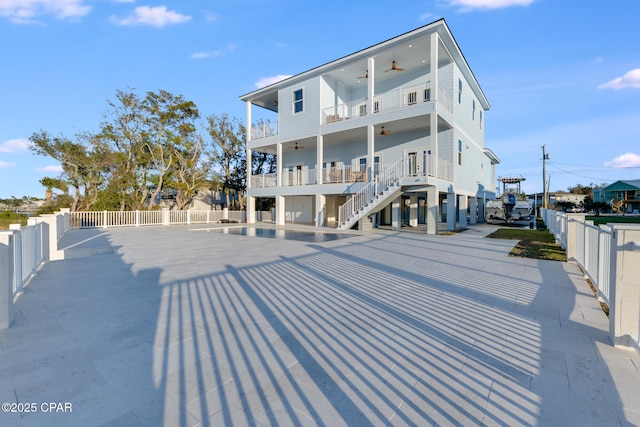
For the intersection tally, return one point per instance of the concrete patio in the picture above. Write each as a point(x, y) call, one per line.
point(186, 325)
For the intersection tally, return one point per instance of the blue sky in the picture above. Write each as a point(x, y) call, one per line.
point(563, 73)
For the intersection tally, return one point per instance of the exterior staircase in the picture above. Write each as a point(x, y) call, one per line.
point(372, 197)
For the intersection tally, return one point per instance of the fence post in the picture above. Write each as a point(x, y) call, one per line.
point(624, 310)
point(137, 218)
point(6, 279)
point(17, 256)
point(189, 216)
point(104, 219)
point(165, 216)
point(208, 216)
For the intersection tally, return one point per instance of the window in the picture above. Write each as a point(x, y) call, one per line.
point(427, 95)
point(412, 98)
point(459, 91)
point(460, 152)
point(362, 167)
point(473, 110)
point(362, 110)
point(480, 119)
point(297, 101)
point(376, 106)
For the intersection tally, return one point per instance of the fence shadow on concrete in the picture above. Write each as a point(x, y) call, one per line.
point(342, 333)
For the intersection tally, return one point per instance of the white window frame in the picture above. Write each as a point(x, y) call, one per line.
point(297, 102)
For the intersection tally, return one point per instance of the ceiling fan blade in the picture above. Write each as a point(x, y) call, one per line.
point(394, 67)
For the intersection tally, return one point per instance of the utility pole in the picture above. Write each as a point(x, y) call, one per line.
point(544, 177)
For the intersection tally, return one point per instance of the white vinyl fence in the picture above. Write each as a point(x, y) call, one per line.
point(106, 219)
point(22, 251)
point(609, 255)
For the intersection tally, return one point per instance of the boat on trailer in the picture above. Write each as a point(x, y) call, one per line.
point(511, 207)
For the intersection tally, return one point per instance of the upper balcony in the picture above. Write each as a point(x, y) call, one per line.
point(404, 97)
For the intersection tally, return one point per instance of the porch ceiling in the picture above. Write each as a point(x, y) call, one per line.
point(411, 55)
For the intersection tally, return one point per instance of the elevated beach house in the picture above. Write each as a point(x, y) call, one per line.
point(390, 135)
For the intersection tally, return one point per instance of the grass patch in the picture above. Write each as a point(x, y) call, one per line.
point(451, 233)
point(603, 219)
point(603, 304)
point(536, 244)
point(10, 217)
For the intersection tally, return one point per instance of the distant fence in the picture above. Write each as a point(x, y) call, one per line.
point(609, 255)
point(106, 219)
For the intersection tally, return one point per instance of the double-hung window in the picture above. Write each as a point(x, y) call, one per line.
point(297, 101)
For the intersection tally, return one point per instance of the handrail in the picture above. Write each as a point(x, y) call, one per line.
point(373, 188)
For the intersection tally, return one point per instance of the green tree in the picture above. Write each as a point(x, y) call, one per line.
point(122, 135)
point(228, 142)
point(78, 164)
point(169, 127)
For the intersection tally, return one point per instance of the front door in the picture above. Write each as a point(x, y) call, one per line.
point(416, 163)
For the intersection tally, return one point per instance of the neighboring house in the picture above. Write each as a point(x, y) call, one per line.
point(208, 200)
point(626, 194)
point(553, 198)
point(576, 199)
point(389, 135)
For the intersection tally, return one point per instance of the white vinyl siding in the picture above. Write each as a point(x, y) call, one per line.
point(293, 126)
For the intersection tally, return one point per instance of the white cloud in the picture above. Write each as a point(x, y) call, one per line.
point(26, 11)
point(52, 168)
point(207, 54)
point(266, 81)
point(213, 53)
point(155, 16)
point(425, 17)
point(466, 5)
point(15, 146)
point(627, 160)
point(6, 164)
point(630, 79)
point(211, 17)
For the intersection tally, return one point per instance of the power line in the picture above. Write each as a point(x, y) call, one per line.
point(583, 176)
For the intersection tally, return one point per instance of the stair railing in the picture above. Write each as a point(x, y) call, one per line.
point(389, 175)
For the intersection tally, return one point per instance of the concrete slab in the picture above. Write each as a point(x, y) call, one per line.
point(191, 325)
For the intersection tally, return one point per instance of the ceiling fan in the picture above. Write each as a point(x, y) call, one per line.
point(297, 147)
point(366, 76)
point(384, 132)
point(394, 67)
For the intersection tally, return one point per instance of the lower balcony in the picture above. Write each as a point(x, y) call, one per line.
point(412, 166)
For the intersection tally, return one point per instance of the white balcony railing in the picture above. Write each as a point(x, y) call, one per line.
point(343, 174)
point(264, 180)
point(291, 178)
point(412, 166)
point(387, 101)
point(264, 130)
